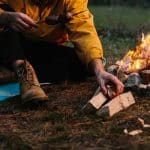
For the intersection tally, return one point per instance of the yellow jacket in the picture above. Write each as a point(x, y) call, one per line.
point(80, 29)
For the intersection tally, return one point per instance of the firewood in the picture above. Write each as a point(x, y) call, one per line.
point(116, 105)
point(148, 90)
point(98, 99)
point(143, 90)
point(95, 102)
point(145, 74)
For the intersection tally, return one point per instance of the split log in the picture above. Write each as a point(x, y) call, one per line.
point(95, 102)
point(143, 90)
point(116, 105)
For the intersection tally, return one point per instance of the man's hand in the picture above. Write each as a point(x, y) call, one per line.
point(104, 78)
point(17, 21)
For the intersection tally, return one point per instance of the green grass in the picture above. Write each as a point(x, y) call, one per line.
point(115, 48)
point(115, 16)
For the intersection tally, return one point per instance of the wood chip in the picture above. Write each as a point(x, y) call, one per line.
point(133, 133)
point(143, 123)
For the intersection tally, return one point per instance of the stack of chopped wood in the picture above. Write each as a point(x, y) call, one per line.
point(106, 106)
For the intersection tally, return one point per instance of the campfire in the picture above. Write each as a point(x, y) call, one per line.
point(134, 69)
point(137, 59)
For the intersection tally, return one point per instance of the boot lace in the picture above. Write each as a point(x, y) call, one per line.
point(25, 75)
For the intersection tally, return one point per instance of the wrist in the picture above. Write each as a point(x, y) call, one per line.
point(97, 66)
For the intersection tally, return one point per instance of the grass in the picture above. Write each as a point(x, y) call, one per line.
point(115, 16)
point(115, 48)
point(122, 25)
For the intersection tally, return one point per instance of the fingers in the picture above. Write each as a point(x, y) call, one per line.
point(120, 88)
point(102, 85)
point(15, 28)
point(20, 21)
point(104, 88)
point(104, 78)
point(18, 27)
point(23, 24)
point(118, 83)
point(28, 20)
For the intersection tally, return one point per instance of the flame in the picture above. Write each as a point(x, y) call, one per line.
point(138, 58)
point(137, 64)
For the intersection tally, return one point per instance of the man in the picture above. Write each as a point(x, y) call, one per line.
point(51, 21)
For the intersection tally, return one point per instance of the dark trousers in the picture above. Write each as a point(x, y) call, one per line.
point(51, 62)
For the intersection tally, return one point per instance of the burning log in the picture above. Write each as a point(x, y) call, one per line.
point(145, 74)
point(133, 81)
point(143, 90)
point(138, 58)
point(134, 69)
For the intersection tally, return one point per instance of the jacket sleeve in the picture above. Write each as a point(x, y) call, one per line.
point(1, 3)
point(82, 31)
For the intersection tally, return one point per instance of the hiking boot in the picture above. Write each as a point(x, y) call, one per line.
point(31, 92)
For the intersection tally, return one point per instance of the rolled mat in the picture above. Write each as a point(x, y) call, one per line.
point(9, 90)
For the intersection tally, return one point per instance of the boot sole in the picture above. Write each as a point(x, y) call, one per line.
point(37, 101)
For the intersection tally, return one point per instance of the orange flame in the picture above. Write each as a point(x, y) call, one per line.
point(138, 58)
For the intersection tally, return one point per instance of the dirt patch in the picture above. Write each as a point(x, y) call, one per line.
point(60, 125)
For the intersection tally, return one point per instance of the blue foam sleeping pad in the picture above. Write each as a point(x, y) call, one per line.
point(9, 90)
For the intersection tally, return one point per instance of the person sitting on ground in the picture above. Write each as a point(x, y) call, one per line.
point(28, 27)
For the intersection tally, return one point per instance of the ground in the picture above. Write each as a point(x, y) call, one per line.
point(62, 125)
